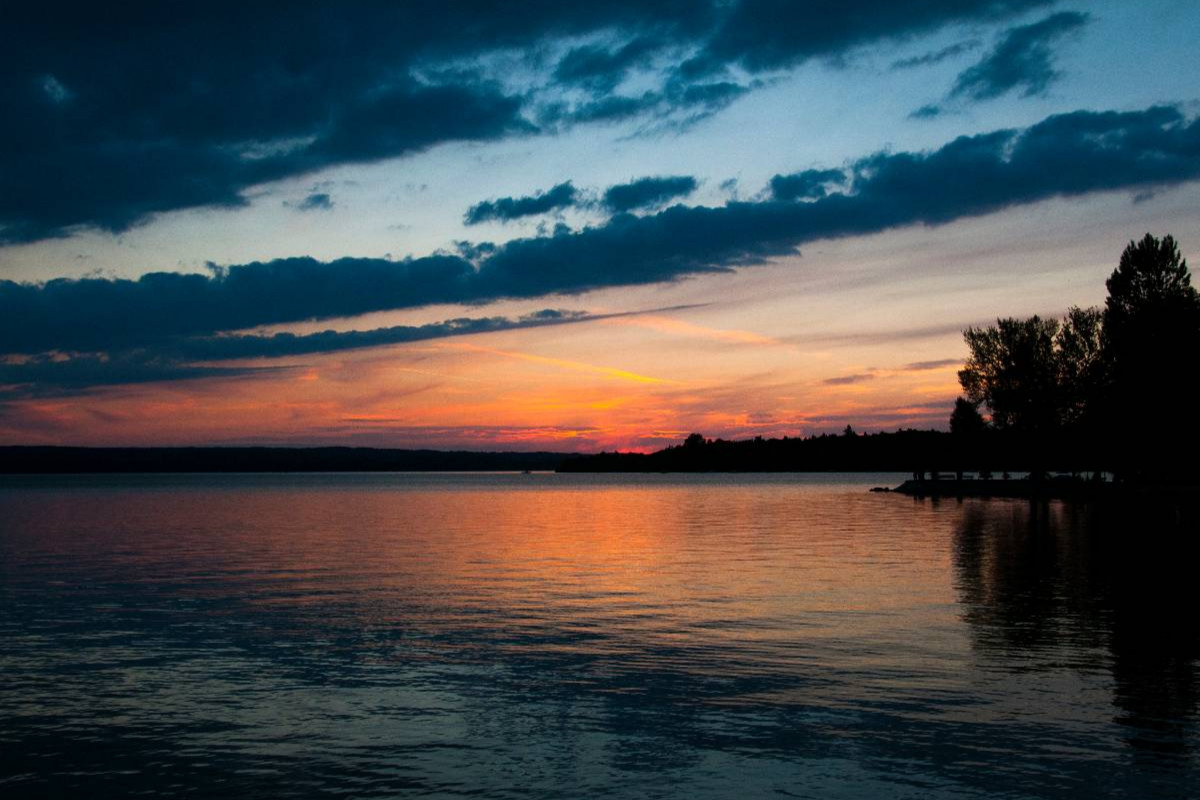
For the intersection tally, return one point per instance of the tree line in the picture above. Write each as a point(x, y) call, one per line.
point(1113, 383)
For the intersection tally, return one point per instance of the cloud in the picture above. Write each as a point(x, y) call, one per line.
point(937, 56)
point(928, 111)
point(647, 192)
point(47, 188)
point(151, 108)
point(709, 96)
point(317, 201)
point(875, 372)
point(232, 347)
point(1064, 155)
point(509, 208)
point(98, 313)
point(599, 68)
point(890, 336)
point(606, 108)
point(278, 345)
point(846, 380)
point(811, 184)
point(1022, 60)
point(679, 103)
point(57, 374)
point(924, 366)
point(52, 376)
point(406, 118)
point(774, 34)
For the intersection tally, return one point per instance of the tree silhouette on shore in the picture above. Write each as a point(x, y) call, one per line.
point(1013, 371)
point(1099, 373)
point(1151, 340)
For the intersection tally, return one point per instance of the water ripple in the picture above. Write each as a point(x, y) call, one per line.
point(547, 635)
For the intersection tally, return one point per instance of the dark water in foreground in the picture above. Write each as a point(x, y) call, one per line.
point(584, 636)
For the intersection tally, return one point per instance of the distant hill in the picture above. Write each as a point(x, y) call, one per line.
point(264, 459)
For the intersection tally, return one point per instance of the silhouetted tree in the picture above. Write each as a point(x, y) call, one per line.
point(1081, 369)
point(966, 420)
point(1152, 279)
point(1150, 342)
point(1013, 371)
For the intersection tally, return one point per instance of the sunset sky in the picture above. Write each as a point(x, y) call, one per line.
point(561, 225)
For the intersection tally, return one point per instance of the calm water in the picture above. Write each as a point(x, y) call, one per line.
point(582, 636)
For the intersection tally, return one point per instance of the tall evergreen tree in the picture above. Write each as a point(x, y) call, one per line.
point(1150, 350)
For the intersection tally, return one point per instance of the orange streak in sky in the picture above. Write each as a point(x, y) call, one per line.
point(576, 366)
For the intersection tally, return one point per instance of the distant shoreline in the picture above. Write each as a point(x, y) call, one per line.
point(49, 460)
point(909, 452)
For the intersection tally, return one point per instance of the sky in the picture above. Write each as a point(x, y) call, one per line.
point(561, 225)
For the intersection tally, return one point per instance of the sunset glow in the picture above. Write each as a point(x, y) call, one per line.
point(791, 242)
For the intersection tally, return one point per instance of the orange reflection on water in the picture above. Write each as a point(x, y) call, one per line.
point(706, 576)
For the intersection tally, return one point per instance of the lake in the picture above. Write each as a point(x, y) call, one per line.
point(506, 635)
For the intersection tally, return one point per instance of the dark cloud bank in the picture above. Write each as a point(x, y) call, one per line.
point(116, 112)
point(170, 314)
